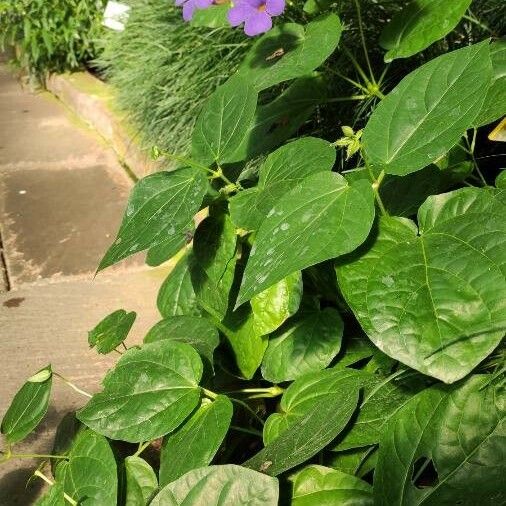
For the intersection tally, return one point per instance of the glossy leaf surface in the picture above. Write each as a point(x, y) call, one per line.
point(111, 331)
point(141, 482)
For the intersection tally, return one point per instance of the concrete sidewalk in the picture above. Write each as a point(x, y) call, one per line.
point(62, 195)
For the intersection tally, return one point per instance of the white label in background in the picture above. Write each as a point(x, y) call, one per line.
point(115, 15)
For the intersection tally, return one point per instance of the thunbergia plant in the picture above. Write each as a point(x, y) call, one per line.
point(327, 337)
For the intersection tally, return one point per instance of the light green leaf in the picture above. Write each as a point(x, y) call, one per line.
point(28, 407)
point(196, 442)
point(164, 251)
point(54, 497)
point(176, 295)
point(305, 345)
point(216, 17)
point(111, 331)
point(323, 486)
point(224, 121)
point(213, 266)
point(227, 485)
point(461, 430)
point(321, 415)
point(357, 461)
point(321, 218)
point(159, 206)
point(141, 482)
point(89, 476)
point(420, 24)
point(500, 180)
point(290, 50)
point(435, 300)
point(148, 394)
point(193, 330)
point(277, 303)
point(428, 111)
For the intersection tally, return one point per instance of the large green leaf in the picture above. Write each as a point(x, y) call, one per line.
point(54, 497)
point(196, 442)
point(494, 106)
point(176, 295)
point(224, 121)
point(435, 300)
point(111, 331)
point(321, 218)
point(277, 303)
point(308, 394)
point(305, 345)
point(28, 407)
point(193, 330)
point(323, 486)
point(141, 482)
point(428, 111)
point(213, 266)
point(461, 430)
point(89, 476)
point(282, 169)
point(164, 251)
point(227, 485)
point(357, 461)
point(420, 24)
point(290, 50)
point(148, 394)
point(159, 206)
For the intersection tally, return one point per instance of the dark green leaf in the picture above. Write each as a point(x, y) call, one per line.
point(428, 111)
point(164, 251)
point(321, 218)
point(196, 442)
point(159, 206)
point(148, 394)
point(111, 331)
point(66, 432)
point(461, 430)
point(355, 349)
point(358, 461)
point(305, 345)
point(434, 300)
point(141, 482)
point(500, 180)
point(227, 485)
point(28, 407)
point(420, 24)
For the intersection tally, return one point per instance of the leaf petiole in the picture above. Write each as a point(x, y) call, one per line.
point(71, 385)
point(51, 483)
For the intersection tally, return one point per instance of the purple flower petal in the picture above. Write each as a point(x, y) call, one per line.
point(257, 23)
point(274, 7)
point(188, 10)
point(239, 13)
point(178, 3)
point(203, 4)
point(256, 4)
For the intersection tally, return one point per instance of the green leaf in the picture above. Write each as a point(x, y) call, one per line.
point(213, 268)
point(434, 300)
point(148, 394)
point(494, 106)
point(357, 461)
point(111, 331)
point(193, 330)
point(321, 218)
point(420, 24)
point(220, 486)
point(216, 17)
point(323, 486)
point(141, 482)
point(500, 180)
point(461, 430)
point(320, 415)
point(313, 7)
point(274, 305)
point(196, 442)
point(224, 121)
point(248, 346)
point(282, 169)
point(354, 349)
point(290, 50)
point(28, 407)
point(164, 251)
point(54, 497)
point(66, 433)
point(305, 345)
point(89, 476)
point(159, 206)
point(307, 395)
point(428, 111)
point(176, 295)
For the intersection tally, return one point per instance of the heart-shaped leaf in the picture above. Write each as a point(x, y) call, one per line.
point(321, 218)
point(196, 442)
point(160, 206)
point(111, 331)
point(148, 394)
point(220, 486)
point(425, 115)
point(141, 482)
point(434, 300)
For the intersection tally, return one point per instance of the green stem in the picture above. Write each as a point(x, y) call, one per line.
point(209, 393)
point(187, 161)
point(357, 66)
point(51, 483)
point(36, 456)
point(477, 22)
point(71, 385)
point(346, 99)
point(376, 186)
point(362, 38)
point(247, 431)
point(141, 448)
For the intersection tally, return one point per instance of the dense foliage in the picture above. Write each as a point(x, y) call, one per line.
point(51, 36)
point(332, 332)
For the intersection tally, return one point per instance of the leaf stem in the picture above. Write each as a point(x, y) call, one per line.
point(357, 66)
point(36, 456)
point(273, 391)
point(375, 187)
point(186, 161)
point(51, 483)
point(247, 431)
point(362, 38)
point(141, 448)
point(209, 393)
point(248, 408)
point(71, 385)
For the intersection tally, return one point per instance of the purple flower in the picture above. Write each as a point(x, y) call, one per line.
point(255, 14)
point(189, 6)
